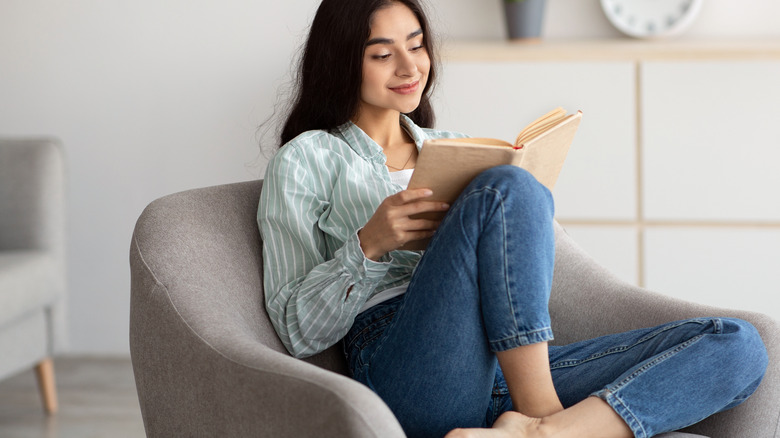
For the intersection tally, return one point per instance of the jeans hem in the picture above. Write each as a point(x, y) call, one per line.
point(623, 411)
point(525, 338)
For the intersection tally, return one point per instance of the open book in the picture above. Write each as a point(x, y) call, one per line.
point(447, 166)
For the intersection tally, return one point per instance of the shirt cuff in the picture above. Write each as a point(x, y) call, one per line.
point(358, 265)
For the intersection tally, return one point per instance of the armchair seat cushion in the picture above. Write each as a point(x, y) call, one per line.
point(29, 280)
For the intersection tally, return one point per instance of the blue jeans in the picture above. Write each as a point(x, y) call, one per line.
point(483, 286)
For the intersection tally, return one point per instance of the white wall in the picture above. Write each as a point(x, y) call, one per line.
point(152, 97)
point(483, 19)
point(149, 97)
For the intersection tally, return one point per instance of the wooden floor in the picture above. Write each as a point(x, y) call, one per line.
point(97, 399)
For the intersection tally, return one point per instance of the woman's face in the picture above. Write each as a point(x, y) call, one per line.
point(395, 62)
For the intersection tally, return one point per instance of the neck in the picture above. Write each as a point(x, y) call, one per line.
point(384, 128)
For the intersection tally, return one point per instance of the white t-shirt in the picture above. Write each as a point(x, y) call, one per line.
point(402, 177)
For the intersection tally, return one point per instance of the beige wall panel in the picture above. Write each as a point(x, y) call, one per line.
point(497, 99)
point(727, 267)
point(613, 247)
point(711, 142)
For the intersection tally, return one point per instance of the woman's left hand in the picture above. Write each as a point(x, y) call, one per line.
point(391, 225)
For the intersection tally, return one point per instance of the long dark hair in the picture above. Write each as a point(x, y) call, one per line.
point(331, 67)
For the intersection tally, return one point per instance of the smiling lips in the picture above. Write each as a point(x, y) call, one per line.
point(406, 88)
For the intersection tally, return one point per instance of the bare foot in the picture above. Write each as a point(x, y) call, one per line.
point(510, 424)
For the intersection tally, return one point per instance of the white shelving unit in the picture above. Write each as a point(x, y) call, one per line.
point(672, 182)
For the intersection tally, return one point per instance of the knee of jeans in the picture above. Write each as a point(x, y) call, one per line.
point(746, 345)
point(505, 173)
point(515, 181)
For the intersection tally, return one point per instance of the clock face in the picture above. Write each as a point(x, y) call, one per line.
point(651, 18)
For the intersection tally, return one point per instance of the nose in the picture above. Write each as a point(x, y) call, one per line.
point(407, 66)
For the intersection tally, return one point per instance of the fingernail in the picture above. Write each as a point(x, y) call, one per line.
point(445, 206)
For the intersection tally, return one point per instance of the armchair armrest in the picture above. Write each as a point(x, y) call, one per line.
point(604, 304)
point(238, 386)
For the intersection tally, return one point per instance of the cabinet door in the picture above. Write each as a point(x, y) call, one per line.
point(710, 153)
point(599, 179)
point(731, 267)
point(710, 140)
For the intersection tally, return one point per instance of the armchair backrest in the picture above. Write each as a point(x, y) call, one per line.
point(204, 247)
point(31, 195)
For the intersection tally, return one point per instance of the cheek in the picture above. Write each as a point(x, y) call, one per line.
point(424, 66)
point(426, 62)
point(371, 80)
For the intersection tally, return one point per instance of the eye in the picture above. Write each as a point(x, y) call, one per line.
point(381, 57)
point(417, 48)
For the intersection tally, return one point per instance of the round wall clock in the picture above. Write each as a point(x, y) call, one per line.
point(651, 18)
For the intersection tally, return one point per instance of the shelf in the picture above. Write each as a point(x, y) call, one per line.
point(610, 50)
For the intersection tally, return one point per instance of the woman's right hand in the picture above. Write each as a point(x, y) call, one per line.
point(390, 227)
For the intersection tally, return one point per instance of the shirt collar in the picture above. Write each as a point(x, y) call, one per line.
point(418, 134)
point(367, 148)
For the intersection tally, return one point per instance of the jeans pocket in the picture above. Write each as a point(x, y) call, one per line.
point(361, 340)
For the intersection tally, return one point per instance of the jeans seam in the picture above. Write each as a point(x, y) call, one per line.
point(510, 303)
point(623, 348)
point(656, 361)
point(465, 198)
point(368, 327)
point(378, 348)
point(610, 393)
point(507, 287)
point(625, 413)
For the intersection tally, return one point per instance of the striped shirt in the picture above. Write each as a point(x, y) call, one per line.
point(319, 190)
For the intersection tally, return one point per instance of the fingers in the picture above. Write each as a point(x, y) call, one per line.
point(410, 202)
point(400, 216)
point(422, 225)
point(423, 207)
point(391, 225)
point(410, 195)
point(411, 236)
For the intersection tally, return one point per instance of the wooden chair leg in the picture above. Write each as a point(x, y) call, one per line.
point(45, 373)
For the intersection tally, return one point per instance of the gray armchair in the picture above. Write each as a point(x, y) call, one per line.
point(32, 254)
point(207, 361)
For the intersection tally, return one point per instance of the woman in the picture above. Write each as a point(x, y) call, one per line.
point(454, 340)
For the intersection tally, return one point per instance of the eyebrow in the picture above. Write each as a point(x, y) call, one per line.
point(373, 41)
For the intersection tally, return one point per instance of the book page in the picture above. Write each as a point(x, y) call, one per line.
point(540, 125)
point(545, 154)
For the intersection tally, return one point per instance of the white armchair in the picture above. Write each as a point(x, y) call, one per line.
point(32, 254)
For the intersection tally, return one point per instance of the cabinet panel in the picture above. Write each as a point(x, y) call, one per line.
point(710, 140)
point(496, 99)
point(725, 267)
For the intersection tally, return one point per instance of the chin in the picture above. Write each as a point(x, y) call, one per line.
point(406, 109)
